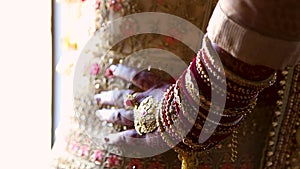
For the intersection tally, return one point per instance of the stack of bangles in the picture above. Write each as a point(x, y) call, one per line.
point(187, 110)
point(205, 105)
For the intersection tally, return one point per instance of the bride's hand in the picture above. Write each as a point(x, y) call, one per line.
point(128, 102)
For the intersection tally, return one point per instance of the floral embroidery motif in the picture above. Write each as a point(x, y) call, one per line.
point(113, 161)
point(84, 151)
point(74, 147)
point(247, 163)
point(95, 69)
point(156, 165)
point(160, 2)
point(204, 166)
point(97, 157)
point(227, 166)
point(171, 40)
point(135, 164)
point(129, 27)
point(97, 4)
point(116, 5)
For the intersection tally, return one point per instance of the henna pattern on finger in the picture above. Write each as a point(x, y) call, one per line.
point(145, 80)
point(116, 116)
point(149, 79)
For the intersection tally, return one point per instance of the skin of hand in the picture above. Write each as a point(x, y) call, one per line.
point(151, 85)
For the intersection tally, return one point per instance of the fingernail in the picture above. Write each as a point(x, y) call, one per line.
point(109, 72)
point(106, 139)
point(97, 98)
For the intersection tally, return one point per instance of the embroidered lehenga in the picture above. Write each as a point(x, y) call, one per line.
point(267, 138)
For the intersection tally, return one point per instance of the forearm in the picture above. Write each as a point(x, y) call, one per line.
point(247, 71)
point(209, 100)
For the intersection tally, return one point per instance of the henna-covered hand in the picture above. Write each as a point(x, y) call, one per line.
point(131, 140)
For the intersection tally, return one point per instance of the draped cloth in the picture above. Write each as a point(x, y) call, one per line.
point(258, 32)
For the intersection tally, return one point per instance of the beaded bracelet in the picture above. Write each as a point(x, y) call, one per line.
point(218, 133)
point(246, 93)
point(208, 105)
point(170, 117)
point(185, 119)
point(200, 111)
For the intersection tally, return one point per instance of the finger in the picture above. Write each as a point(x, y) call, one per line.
point(140, 78)
point(125, 72)
point(130, 138)
point(146, 80)
point(116, 116)
point(112, 97)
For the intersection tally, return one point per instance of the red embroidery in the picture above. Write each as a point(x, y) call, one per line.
point(135, 164)
point(156, 165)
point(95, 69)
point(227, 166)
point(113, 161)
point(116, 5)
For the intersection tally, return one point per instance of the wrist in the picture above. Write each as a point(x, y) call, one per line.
point(246, 71)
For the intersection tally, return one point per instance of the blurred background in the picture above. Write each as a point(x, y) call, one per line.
point(26, 83)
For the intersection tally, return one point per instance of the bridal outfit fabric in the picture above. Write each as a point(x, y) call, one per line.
point(269, 137)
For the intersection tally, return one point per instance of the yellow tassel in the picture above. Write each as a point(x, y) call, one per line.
point(184, 164)
point(189, 160)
